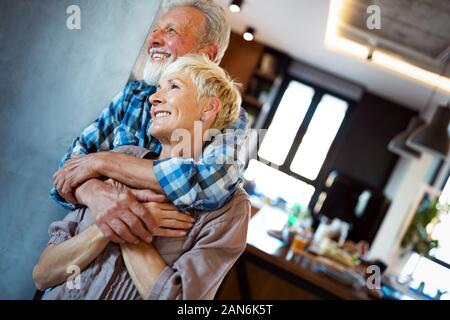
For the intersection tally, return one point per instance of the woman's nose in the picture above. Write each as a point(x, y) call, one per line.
point(156, 98)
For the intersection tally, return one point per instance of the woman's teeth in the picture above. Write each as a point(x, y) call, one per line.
point(162, 114)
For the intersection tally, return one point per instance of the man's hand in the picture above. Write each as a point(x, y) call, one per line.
point(118, 212)
point(122, 218)
point(75, 171)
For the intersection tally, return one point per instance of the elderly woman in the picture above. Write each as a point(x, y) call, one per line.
point(189, 254)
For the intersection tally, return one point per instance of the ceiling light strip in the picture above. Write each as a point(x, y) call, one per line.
point(337, 43)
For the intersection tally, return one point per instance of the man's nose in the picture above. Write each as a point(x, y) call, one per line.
point(156, 39)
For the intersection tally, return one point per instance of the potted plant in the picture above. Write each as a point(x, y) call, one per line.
point(417, 238)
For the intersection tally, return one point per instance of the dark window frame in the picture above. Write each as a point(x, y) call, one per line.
point(327, 165)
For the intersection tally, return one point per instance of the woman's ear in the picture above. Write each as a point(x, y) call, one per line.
point(211, 50)
point(211, 110)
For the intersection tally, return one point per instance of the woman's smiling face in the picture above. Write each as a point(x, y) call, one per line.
point(175, 105)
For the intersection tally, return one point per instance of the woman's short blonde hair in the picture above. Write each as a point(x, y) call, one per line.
point(211, 81)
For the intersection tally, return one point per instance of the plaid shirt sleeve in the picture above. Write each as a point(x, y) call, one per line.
point(208, 183)
point(96, 137)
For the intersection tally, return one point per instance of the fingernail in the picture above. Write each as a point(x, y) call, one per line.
point(149, 239)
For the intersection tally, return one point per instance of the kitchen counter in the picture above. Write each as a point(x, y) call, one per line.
point(310, 272)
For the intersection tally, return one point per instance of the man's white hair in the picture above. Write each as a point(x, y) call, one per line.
point(217, 28)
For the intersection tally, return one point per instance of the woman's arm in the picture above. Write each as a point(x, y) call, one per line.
point(144, 264)
point(80, 250)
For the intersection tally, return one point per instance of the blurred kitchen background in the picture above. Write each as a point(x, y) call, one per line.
point(348, 183)
point(352, 170)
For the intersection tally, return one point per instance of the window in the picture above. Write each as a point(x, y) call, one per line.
point(320, 135)
point(299, 137)
point(286, 122)
point(433, 275)
point(274, 183)
point(434, 272)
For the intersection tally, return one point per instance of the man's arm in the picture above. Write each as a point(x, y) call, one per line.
point(202, 185)
point(210, 182)
point(80, 251)
point(97, 136)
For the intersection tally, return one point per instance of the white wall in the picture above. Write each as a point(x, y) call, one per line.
point(403, 188)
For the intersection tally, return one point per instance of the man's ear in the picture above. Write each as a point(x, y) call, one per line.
point(211, 50)
point(211, 110)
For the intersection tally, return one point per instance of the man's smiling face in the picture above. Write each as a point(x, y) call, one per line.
point(175, 34)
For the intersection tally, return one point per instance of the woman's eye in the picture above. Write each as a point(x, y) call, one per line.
point(172, 30)
point(174, 86)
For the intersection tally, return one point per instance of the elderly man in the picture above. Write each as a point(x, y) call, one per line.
point(189, 26)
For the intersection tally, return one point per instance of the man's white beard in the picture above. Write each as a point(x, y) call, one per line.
point(154, 70)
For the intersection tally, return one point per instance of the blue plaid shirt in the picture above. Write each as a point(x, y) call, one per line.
point(202, 185)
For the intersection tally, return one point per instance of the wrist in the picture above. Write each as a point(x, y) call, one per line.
point(88, 190)
point(99, 163)
point(97, 235)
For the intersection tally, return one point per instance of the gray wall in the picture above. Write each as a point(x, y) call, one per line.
point(53, 82)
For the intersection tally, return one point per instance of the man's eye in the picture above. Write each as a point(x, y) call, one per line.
point(172, 30)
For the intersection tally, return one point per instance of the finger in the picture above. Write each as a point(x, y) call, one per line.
point(57, 184)
point(174, 224)
point(56, 174)
point(139, 210)
point(66, 188)
point(147, 196)
point(136, 226)
point(120, 228)
point(109, 233)
point(167, 206)
point(70, 197)
point(162, 232)
point(177, 215)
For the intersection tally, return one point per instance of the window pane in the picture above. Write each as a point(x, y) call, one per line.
point(445, 194)
point(286, 122)
point(319, 136)
point(441, 233)
point(274, 183)
point(441, 230)
point(435, 276)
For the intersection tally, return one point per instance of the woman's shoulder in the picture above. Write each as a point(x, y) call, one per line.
point(238, 206)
